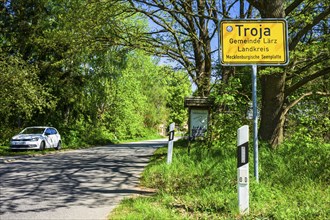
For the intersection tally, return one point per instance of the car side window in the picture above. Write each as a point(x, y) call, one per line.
point(53, 131)
point(48, 131)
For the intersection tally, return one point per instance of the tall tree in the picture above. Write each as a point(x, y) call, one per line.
point(278, 85)
point(182, 31)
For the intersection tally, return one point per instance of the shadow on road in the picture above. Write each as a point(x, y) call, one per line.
point(89, 177)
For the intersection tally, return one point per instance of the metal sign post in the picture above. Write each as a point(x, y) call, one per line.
point(243, 169)
point(255, 121)
point(261, 42)
point(170, 143)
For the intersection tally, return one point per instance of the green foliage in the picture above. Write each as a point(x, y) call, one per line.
point(21, 93)
point(312, 113)
point(64, 65)
point(84, 134)
point(179, 87)
point(230, 108)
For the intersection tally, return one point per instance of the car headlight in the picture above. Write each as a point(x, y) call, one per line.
point(34, 139)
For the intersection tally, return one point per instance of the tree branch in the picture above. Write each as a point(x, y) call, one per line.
point(305, 80)
point(322, 57)
point(295, 102)
point(308, 27)
point(292, 6)
point(257, 4)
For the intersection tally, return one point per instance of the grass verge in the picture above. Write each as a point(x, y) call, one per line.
point(294, 184)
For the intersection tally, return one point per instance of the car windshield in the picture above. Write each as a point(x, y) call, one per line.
point(33, 131)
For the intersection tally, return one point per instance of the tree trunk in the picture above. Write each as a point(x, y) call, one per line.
point(272, 86)
point(272, 109)
point(204, 84)
point(203, 64)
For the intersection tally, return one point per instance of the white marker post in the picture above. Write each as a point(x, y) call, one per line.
point(170, 143)
point(243, 169)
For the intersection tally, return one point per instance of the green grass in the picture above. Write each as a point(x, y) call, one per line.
point(147, 208)
point(294, 183)
point(149, 137)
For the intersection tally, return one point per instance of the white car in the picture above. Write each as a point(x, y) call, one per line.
point(38, 138)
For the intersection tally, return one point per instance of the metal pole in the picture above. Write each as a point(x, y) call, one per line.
point(255, 121)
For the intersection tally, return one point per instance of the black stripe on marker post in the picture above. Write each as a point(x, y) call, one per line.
point(171, 136)
point(242, 154)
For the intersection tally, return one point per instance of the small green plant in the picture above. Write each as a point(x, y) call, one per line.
point(145, 208)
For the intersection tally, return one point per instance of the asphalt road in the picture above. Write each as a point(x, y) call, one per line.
point(81, 184)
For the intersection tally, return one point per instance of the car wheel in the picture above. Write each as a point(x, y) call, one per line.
point(58, 146)
point(42, 145)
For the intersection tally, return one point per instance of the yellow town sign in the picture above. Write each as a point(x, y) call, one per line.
point(262, 42)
